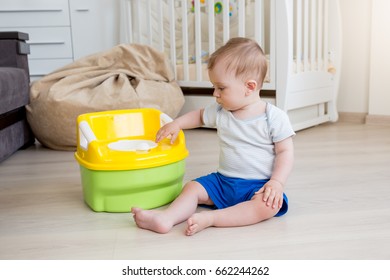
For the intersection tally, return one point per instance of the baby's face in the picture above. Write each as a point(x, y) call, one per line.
point(229, 90)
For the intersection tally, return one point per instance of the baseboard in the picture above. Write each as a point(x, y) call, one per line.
point(350, 117)
point(364, 118)
point(378, 120)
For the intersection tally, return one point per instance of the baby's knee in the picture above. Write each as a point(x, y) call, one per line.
point(267, 211)
point(192, 186)
point(199, 190)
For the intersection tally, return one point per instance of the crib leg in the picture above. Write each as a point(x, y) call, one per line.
point(333, 114)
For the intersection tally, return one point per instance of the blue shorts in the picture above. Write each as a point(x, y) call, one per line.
point(225, 191)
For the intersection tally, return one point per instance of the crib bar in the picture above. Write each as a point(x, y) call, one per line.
point(326, 41)
point(320, 10)
point(290, 16)
point(313, 34)
point(148, 23)
point(185, 39)
point(137, 20)
point(160, 26)
point(298, 38)
point(306, 37)
point(226, 25)
point(129, 24)
point(172, 32)
point(272, 47)
point(198, 43)
point(241, 18)
point(259, 27)
point(211, 18)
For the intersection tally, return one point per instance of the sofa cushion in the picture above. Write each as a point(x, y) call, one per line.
point(14, 89)
point(14, 137)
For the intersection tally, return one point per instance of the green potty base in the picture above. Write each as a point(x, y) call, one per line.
point(118, 191)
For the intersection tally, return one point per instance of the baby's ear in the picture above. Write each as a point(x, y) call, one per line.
point(251, 85)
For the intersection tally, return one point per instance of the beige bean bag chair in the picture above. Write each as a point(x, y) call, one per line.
point(124, 77)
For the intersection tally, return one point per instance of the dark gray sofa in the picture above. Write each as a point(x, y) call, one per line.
point(15, 132)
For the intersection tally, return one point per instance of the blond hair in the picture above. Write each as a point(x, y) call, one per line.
point(244, 56)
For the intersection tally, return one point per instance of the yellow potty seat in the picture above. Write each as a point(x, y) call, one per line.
point(120, 164)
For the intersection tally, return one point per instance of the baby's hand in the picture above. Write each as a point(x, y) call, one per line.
point(272, 193)
point(170, 129)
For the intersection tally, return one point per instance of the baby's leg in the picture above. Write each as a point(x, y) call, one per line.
point(243, 214)
point(179, 210)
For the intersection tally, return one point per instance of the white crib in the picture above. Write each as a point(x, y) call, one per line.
point(302, 40)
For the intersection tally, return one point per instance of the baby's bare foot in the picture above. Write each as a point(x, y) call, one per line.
point(151, 219)
point(198, 222)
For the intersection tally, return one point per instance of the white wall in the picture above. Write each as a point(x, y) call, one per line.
point(365, 75)
point(354, 80)
point(379, 90)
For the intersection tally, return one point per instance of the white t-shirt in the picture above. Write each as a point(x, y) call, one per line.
point(247, 146)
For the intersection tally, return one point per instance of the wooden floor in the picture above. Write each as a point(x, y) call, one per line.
point(339, 196)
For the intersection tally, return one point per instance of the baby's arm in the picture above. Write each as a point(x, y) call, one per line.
point(192, 119)
point(284, 158)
